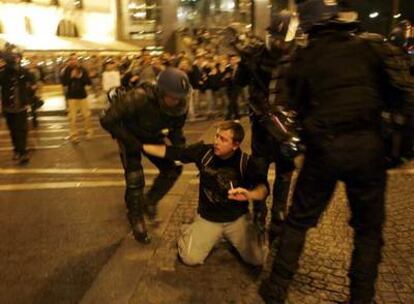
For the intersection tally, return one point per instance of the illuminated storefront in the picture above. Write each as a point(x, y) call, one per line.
point(43, 25)
point(46, 24)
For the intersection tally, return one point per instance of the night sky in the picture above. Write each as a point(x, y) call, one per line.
point(381, 24)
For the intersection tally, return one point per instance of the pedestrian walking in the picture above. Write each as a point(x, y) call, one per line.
point(75, 79)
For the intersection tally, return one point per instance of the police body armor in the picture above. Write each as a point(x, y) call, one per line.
point(398, 117)
point(268, 98)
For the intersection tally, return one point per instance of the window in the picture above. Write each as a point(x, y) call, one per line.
point(213, 13)
point(144, 17)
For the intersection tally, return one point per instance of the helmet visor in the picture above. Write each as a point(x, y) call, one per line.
point(173, 105)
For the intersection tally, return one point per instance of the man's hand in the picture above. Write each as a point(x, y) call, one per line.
point(238, 194)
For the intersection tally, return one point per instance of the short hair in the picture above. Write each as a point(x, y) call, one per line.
point(235, 127)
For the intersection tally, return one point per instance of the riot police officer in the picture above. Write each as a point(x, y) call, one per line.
point(16, 86)
point(148, 114)
point(263, 68)
point(339, 85)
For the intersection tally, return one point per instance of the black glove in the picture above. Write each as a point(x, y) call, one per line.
point(292, 147)
point(259, 215)
point(115, 94)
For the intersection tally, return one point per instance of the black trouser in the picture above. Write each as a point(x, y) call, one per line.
point(358, 160)
point(264, 145)
point(17, 124)
point(233, 93)
point(135, 181)
point(33, 112)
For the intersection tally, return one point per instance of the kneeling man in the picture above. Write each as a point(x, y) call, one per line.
point(229, 180)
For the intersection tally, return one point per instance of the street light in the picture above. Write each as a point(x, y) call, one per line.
point(373, 15)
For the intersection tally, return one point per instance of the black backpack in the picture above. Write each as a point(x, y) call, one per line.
point(208, 157)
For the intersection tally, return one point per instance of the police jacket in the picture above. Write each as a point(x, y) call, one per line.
point(16, 91)
point(339, 83)
point(137, 118)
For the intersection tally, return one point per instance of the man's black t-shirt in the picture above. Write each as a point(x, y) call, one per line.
point(215, 178)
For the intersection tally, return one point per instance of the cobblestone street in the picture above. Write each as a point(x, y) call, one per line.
point(75, 246)
point(322, 276)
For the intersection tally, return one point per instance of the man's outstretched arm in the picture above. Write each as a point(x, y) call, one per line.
point(188, 154)
point(155, 150)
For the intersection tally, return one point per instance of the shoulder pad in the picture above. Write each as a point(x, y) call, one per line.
point(381, 46)
point(135, 98)
point(372, 37)
point(149, 89)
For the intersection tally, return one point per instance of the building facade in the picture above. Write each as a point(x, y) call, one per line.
point(46, 24)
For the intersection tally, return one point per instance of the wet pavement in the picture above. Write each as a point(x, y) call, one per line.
point(66, 239)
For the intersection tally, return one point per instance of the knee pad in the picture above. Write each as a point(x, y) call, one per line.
point(135, 180)
point(285, 176)
point(134, 196)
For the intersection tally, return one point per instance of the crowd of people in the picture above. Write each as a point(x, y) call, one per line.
point(336, 87)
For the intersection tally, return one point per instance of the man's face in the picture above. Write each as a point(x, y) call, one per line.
point(73, 61)
point(234, 60)
point(224, 145)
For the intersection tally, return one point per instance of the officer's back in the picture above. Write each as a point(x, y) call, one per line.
point(345, 87)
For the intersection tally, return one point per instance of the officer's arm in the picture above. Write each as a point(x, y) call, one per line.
point(120, 109)
point(243, 74)
point(186, 155)
point(396, 65)
point(402, 82)
point(176, 134)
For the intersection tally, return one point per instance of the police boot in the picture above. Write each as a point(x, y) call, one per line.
point(259, 215)
point(134, 199)
point(23, 158)
point(281, 189)
point(139, 230)
point(272, 293)
point(150, 208)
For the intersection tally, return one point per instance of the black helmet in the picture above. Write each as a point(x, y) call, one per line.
point(316, 12)
point(173, 83)
point(283, 25)
point(401, 34)
point(282, 31)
